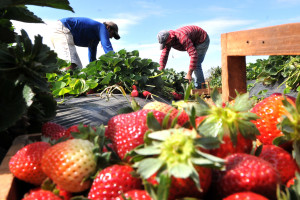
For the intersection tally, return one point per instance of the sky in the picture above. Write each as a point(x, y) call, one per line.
point(139, 21)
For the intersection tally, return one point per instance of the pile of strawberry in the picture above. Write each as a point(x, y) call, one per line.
point(201, 150)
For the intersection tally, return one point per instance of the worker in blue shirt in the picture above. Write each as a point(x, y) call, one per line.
point(82, 32)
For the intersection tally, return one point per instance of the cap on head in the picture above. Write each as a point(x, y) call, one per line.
point(115, 28)
point(162, 37)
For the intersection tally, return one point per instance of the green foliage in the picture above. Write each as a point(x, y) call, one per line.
point(174, 80)
point(215, 78)
point(275, 69)
point(121, 68)
point(23, 66)
point(282, 68)
point(254, 69)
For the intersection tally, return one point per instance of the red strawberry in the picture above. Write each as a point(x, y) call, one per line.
point(69, 164)
point(40, 194)
point(26, 163)
point(134, 92)
point(73, 129)
point(245, 196)
point(165, 108)
point(227, 147)
point(186, 187)
point(113, 181)
point(90, 91)
point(281, 160)
point(291, 182)
point(53, 130)
point(146, 93)
point(177, 96)
point(135, 195)
point(245, 172)
point(270, 110)
point(126, 131)
point(63, 193)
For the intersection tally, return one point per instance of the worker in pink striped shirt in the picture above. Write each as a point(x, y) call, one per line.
point(192, 39)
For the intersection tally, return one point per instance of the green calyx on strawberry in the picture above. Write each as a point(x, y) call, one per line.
point(96, 135)
point(231, 118)
point(175, 153)
point(49, 185)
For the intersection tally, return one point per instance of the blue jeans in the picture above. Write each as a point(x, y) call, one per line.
point(201, 51)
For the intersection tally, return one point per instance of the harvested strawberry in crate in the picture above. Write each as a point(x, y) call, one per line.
point(162, 152)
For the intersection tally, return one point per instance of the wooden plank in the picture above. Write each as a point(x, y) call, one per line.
point(274, 40)
point(10, 187)
point(233, 76)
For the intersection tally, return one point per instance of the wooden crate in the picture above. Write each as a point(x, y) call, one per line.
point(206, 91)
point(12, 188)
point(273, 40)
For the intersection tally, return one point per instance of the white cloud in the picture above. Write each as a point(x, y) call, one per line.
point(221, 25)
point(177, 60)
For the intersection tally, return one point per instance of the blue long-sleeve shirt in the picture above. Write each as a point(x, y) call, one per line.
point(87, 33)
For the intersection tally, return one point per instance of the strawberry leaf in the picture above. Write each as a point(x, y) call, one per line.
point(165, 123)
point(181, 170)
point(211, 127)
point(149, 166)
point(187, 92)
point(150, 150)
point(217, 160)
point(296, 146)
point(152, 122)
point(207, 142)
point(243, 103)
point(160, 135)
point(248, 129)
point(163, 187)
point(203, 162)
point(216, 97)
point(258, 150)
point(298, 102)
point(193, 117)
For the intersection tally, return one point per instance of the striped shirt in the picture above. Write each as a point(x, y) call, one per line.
point(184, 39)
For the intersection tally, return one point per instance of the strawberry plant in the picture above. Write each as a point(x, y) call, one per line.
point(282, 69)
point(27, 98)
point(174, 80)
point(121, 68)
point(65, 83)
point(215, 79)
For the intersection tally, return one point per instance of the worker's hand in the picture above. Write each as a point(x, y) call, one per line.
point(189, 77)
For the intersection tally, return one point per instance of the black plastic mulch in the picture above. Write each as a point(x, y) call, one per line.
point(94, 110)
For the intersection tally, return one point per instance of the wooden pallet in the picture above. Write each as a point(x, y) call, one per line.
point(12, 188)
